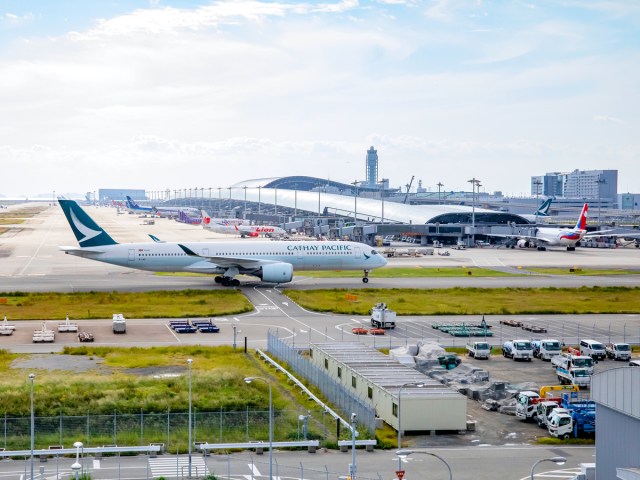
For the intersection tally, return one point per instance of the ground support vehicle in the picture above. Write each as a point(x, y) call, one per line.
point(44, 335)
point(574, 376)
point(567, 361)
point(511, 323)
point(119, 323)
point(6, 328)
point(67, 326)
point(518, 350)
point(182, 326)
point(618, 351)
point(382, 317)
point(593, 349)
point(85, 336)
point(205, 326)
point(479, 350)
point(463, 330)
point(576, 418)
point(359, 331)
point(534, 328)
point(546, 348)
point(377, 331)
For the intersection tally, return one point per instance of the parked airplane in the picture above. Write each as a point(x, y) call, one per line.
point(553, 237)
point(162, 211)
point(541, 212)
point(272, 262)
point(242, 230)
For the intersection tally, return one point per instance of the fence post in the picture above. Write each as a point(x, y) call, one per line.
point(60, 426)
point(141, 427)
point(247, 425)
point(115, 427)
point(88, 428)
point(168, 427)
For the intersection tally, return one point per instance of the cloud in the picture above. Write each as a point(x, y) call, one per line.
point(606, 119)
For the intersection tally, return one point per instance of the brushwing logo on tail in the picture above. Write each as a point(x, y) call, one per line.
point(83, 229)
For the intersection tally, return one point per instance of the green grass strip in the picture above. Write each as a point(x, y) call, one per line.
point(88, 305)
point(473, 301)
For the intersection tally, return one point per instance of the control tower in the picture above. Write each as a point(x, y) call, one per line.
point(372, 167)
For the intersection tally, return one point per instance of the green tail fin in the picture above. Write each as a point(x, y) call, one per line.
point(87, 232)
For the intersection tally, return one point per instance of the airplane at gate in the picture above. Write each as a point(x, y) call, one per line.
point(272, 262)
point(235, 228)
point(554, 237)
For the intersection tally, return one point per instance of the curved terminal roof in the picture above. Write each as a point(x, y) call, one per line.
point(368, 209)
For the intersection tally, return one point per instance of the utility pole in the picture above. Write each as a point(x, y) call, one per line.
point(440, 184)
point(537, 184)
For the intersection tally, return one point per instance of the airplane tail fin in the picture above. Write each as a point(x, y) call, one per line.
point(87, 232)
point(206, 219)
point(582, 221)
point(131, 203)
point(543, 211)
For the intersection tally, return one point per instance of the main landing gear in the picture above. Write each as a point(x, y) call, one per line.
point(227, 281)
point(571, 249)
point(365, 279)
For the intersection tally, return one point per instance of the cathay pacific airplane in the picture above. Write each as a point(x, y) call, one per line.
point(272, 262)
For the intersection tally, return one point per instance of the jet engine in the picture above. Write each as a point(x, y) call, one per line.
point(276, 272)
point(523, 243)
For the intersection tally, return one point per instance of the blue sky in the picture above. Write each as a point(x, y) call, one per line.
point(182, 94)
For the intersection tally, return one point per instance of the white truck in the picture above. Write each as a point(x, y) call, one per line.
point(567, 361)
point(543, 412)
point(382, 317)
point(618, 351)
point(546, 348)
point(119, 323)
point(526, 404)
point(574, 376)
point(518, 349)
point(479, 350)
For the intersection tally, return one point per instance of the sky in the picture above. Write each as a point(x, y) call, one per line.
point(184, 94)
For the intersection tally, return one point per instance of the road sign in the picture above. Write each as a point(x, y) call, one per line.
point(400, 474)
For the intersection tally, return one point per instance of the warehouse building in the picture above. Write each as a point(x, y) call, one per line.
point(617, 396)
point(377, 379)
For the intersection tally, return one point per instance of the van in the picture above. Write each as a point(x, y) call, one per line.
point(593, 349)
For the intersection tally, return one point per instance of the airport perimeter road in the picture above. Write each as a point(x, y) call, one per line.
point(474, 463)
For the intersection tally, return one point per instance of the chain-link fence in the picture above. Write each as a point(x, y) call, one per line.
point(169, 428)
point(335, 393)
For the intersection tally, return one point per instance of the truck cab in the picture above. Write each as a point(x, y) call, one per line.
point(518, 349)
point(526, 404)
point(618, 351)
point(543, 411)
point(574, 376)
point(546, 348)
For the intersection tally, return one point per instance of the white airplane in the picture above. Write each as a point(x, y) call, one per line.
point(221, 226)
point(554, 237)
point(161, 211)
point(272, 262)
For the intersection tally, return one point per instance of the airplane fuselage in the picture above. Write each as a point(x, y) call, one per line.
point(169, 257)
point(560, 236)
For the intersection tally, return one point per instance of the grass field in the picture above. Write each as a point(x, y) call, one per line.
point(11, 221)
point(174, 304)
point(409, 272)
point(473, 301)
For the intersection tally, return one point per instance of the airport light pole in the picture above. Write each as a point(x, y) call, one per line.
point(259, 198)
point(219, 201)
point(355, 202)
point(556, 460)
point(537, 184)
point(474, 183)
point(248, 380)
point(352, 467)
point(190, 361)
point(406, 453)
point(600, 181)
point(439, 184)
point(244, 214)
point(408, 384)
point(31, 378)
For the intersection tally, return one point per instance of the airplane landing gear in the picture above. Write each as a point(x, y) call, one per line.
point(542, 249)
point(228, 281)
point(571, 249)
point(365, 279)
point(218, 279)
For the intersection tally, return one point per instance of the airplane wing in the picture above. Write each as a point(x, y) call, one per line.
point(523, 237)
point(81, 250)
point(227, 262)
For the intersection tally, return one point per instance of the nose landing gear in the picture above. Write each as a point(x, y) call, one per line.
point(365, 279)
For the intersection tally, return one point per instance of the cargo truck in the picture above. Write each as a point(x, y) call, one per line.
point(119, 323)
point(546, 348)
point(382, 317)
point(518, 350)
point(618, 351)
point(479, 350)
point(567, 361)
point(574, 376)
